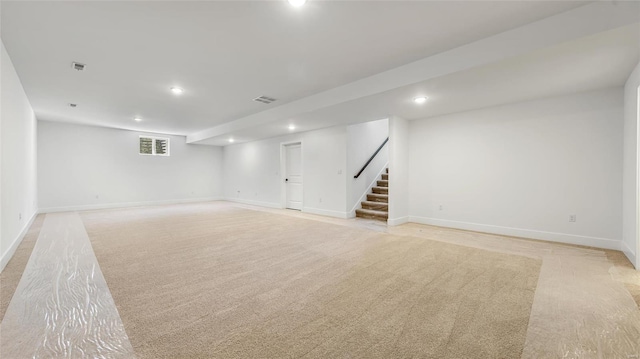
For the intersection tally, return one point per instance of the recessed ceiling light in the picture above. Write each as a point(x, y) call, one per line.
point(177, 90)
point(421, 99)
point(137, 119)
point(297, 3)
point(73, 105)
point(292, 127)
point(231, 140)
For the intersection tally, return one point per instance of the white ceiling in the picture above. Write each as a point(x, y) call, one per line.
point(226, 53)
point(328, 63)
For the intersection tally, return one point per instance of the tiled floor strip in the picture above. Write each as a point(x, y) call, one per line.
point(62, 307)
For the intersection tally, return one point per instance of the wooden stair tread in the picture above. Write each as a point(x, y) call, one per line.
point(377, 189)
point(371, 203)
point(378, 197)
point(371, 213)
point(383, 206)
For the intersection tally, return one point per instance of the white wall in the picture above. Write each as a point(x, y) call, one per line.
point(399, 171)
point(84, 167)
point(522, 169)
point(18, 160)
point(252, 171)
point(631, 238)
point(363, 140)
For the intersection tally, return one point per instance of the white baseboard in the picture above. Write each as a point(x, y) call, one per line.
point(397, 221)
point(629, 253)
point(318, 211)
point(254, 203)
point(325, 212)
point(605, 243)
point(126, 204)
point(352, 212)
point(6, 257)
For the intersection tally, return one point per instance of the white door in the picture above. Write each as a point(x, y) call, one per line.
point(293, 175)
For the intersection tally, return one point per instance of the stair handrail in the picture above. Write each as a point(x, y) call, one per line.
point(371, 158)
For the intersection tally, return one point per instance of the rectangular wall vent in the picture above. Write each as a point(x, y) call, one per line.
point(264, 99)
point(77, 66)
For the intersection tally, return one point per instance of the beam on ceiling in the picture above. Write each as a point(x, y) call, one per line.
point(580, 22)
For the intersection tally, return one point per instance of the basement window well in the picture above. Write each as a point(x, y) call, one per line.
point(154, 146)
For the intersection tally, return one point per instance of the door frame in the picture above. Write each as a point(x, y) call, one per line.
point(283, 171)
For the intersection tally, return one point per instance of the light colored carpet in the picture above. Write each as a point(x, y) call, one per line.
point(207, 281)
point(62, 307)
point(10, 276)
point(625, 273)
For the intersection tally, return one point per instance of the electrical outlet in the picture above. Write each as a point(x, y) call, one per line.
point(20, 216)
point(440, 208)
point(572, 218)
point(339, 172)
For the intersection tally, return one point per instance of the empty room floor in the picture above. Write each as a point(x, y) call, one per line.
point(221, 280)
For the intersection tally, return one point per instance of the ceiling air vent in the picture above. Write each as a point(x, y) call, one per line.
point(264, 99)
point(77, 66)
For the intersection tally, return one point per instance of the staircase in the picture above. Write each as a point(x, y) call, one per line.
point(377, 204)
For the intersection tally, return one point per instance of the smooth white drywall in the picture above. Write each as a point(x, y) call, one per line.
point(399, 166)
point(324, 157)
point(3, 260)
point(523, 169)
point(84, 167)
point(252, 172)
point(631, 237)
point(18, 160)
point(363, 140)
